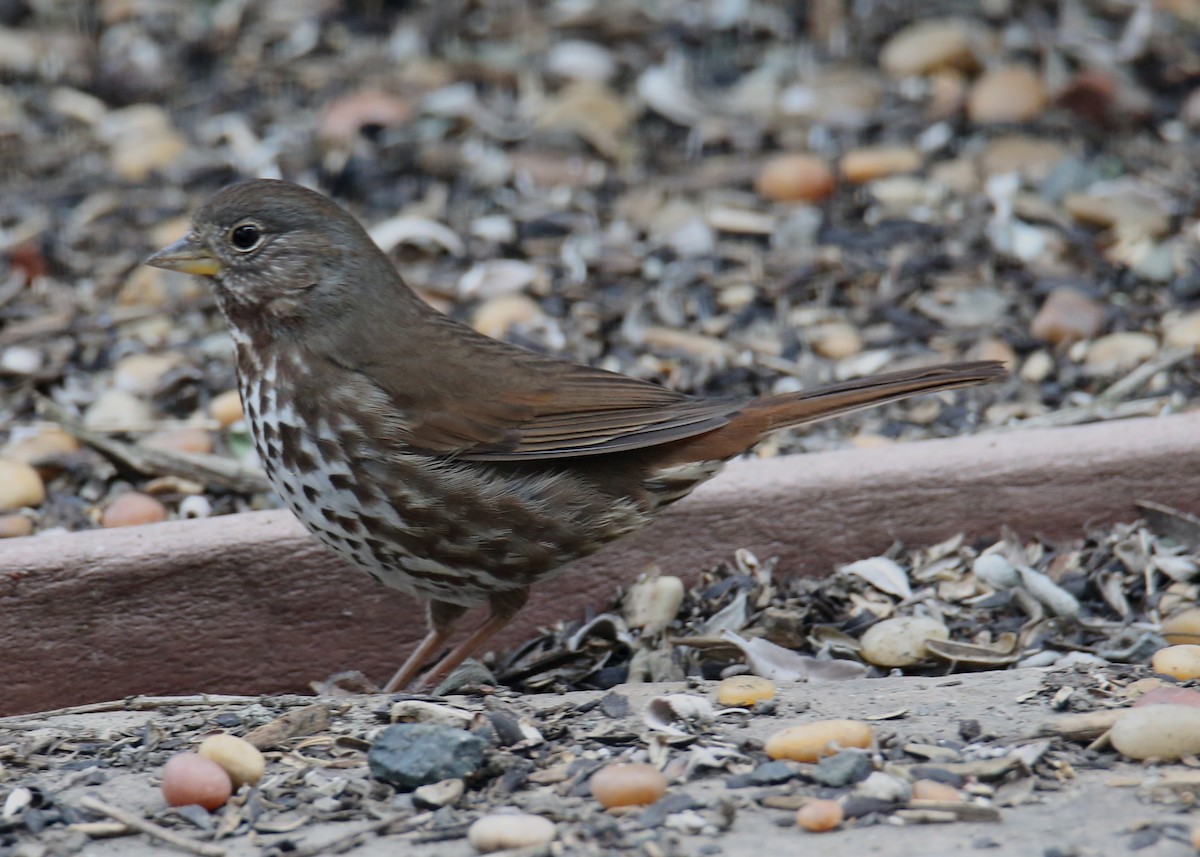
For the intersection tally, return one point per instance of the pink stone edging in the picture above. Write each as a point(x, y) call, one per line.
point(250, 604)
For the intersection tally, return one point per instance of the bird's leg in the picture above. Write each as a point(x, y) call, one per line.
point(442, 617)
point(503, 606)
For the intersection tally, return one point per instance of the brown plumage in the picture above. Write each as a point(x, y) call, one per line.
point(444, 463)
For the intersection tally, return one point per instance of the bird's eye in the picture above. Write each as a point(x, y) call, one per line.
point(245, 237)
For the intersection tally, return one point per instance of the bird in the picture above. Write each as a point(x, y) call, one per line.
point(447, 464)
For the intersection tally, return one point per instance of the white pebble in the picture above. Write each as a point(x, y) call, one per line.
point(517, 830)
point(195, 506)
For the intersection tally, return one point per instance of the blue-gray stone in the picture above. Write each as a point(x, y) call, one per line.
point(842, 769)
point(409, 755)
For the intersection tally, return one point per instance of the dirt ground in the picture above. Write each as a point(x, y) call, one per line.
point(1094, 804)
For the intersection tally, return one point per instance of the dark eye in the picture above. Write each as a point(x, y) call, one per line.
point(245, 237)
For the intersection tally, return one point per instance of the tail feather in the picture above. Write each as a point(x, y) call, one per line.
point(760, 417)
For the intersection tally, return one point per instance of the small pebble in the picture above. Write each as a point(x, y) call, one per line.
point(1011, 93)
point(1067, 316)
point(189, 778)
point(409, 755)
point(884, 787)
point(872, 162)
point(226, 408)
point(1183, 627)
point(795, 178)
point(141, 374)
point(808, 742)
point(1165, 732)
point(1117, 353)
point(1181, 662)
point(628, 784)
point(928, 46)
point(1183, 332)
point(114, 410)
point(835, 340)
point(439, 794)
point(933, 790)
point(900, 642)
point(20, 360)
point(819, 816)
point(15, 526)
point(496, 316)
point(47, 442)
point(842, 769)
point(501, 831)
point(237, 757)
point(1168, 695)
point(20, 485)
point(133, 509)
point(743, 691)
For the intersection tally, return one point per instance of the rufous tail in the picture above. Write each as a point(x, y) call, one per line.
point(762, 416)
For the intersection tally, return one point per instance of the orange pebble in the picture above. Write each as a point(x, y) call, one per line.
point(131, 509)
point(628, 784)
point(818, 816)
point(933, 790)
point(189, 778)
point(795, 178)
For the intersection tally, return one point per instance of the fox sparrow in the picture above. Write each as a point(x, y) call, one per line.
point(442, 462)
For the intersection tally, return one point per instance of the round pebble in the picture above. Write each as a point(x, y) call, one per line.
point(47, 442)
point(808, 742)
point(226, 408)
point(1183, 332)
point(1168, 695)
point(795, 178)
point(495, 316)
point(1183, 627)
point(117, 409)
point(900, 642)
point(503, 831)
point(628, 784)
point(1011, 93)
point(1067, 316)
point(818, 816)
point(237, 757)
point(132, 509)
point(1166, 732)
point(189, 778)
point(20, 485)
point(928, 46)
point(1119, 352)
point(872, 162)
point(933, 790)
point(15, 526)
point(835, 340)
point(1181, 662)
point(142, 373)
point(742, 691)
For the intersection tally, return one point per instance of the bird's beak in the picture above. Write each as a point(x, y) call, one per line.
point(188, 256)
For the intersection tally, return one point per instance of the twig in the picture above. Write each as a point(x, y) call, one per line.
point(152, 703)
point(1095, 411)
point(207, 469)
point(1167, 358)
point(204, 849)
point(344, 843)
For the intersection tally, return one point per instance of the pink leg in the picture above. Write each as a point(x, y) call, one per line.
point(442, 617)
point(503, 607)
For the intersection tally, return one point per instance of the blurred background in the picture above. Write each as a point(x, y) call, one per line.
point(728, 197)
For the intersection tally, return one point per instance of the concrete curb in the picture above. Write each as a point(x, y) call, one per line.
point(250, 604)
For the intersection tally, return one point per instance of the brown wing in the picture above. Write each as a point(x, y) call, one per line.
point(479, 399)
